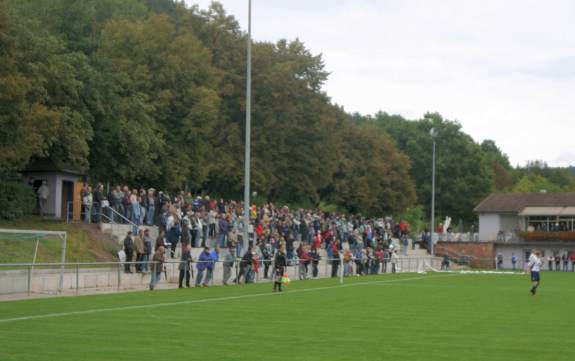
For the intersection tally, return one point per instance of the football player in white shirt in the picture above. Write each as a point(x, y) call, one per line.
point(534, 268)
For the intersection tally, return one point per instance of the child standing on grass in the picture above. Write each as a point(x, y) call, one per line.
point(280, 264)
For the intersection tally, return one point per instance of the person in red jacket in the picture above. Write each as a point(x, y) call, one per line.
point(572, 258)
point(317, 240)
point(380, 257)
point(260, 231)
point(256, 264)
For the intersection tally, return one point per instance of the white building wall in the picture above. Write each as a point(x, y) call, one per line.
point(54, 206)
point(488, 226)
point(52, 185)
point(58, 209)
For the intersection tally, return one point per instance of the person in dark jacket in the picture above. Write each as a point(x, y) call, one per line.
point(224, 228)
point(161, 240)
point(174, 237)
point(99, 197)
point(147, 251)
point(280, 264)
point(129, 250)
point(228, 265)
point(267, 257)
point(204, 261)
point(245, 266)
point(335, 261)
point(214, 258)
point(315, 257)
point(184, 265)
point(186, 237)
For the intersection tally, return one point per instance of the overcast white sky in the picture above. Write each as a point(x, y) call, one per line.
point(505, 69)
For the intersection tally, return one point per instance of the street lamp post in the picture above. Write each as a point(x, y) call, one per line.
point(433, 134)
point(248, 130)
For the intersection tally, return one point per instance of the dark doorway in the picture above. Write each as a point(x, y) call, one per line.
point(67, 197)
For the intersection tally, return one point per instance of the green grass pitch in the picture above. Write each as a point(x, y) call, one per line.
point(390, 317)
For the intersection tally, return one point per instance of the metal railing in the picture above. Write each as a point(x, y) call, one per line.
point(457, 237)
point(101, 216)
point(94, 212)
point(78, 277)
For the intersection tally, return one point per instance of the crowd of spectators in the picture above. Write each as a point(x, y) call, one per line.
point(200, 220)
point(188, 221)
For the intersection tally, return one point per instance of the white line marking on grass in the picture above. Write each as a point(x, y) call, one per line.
point(215, 299)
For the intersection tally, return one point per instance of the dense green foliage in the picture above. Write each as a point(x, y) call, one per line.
point(16, 199)
point(435, 317)
point(152, 93)
point(536, 176)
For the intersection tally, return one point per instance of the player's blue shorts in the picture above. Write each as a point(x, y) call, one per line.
point(535, 276)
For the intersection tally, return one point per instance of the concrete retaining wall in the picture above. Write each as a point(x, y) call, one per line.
point(113, 277)
point(482, 254)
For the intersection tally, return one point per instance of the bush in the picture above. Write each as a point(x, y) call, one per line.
point(331, 208)
point(414, 216)
point(16, 199)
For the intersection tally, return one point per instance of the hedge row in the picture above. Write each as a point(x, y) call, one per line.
point(16, 199)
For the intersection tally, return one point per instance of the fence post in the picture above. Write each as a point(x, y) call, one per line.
point(119, 275)
point(29, 285)
point(237, 281)
point(214, 269)
point(299, 270)
point(340, 268)
point(77, 278)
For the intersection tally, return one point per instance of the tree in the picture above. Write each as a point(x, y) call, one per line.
point(463, 175)
point(373, 176)
point(561, 179)
point(534, 183)
point(41, 109)
point(502, 171)
point(152, 93)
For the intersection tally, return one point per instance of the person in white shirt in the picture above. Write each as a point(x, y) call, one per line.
point(534, 266)
point(394, 261)
point(43, 194)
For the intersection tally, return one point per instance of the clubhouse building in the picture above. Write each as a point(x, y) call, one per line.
point(516, 223)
